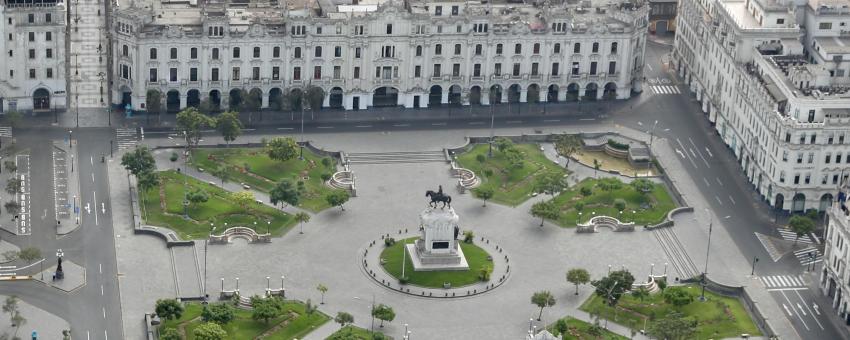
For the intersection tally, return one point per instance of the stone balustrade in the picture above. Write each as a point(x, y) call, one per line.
point(344, 180)
point(466, 178)
point(604, 221)
point(240, 232)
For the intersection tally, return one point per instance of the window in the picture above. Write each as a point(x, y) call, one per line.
point(32, 53)
point(317, 72)
point(389, 29)
point(557, 48)
point(358, 30)
point(478, 49)
point(784, 155)
point(318, 30)
point(256, 51)
point(841, 138)
point(318, 52)
point(32, 73)
point(173, 53)
point(518, 49)
point(497, 70)
point(455, 70)
point(436, 70)
point(799, 158)
point(31, 36)
point(613, 48)
point(337, 72)
point(577, 48)
point(457, 49)
point(846, 158)
point(808, 178)
point(476, 70)
point(419, 51)
point(534, 67)
point(235, 73)
point(803, 138)
point(48, 53)
point(780, 21)
point(215, 53)
point(825, 25)
point(575, 68)
point(338, 52)
point(193, 74)
point(827, 158)
point(255, 73)
point(830, 138)
point(152, 75)
point(298, 53)
point(296, 73)
point(834, 179)
point(516, 69)
point(811, 116)
point(30, 18)
point(388, 52)
point(172, 74)
point(825, 178)
point(455, 10)
point(612, 67)
point(153, 54)
point(592, 67)
point(536, 48)
point(275, 73)
point(498, 49)
point(276, 52)
point(49, 73)
point(48, 36)
point(438, 10)
point(11, 72)
point(214, 75)
point(235, 52)
point(811, 157)
point(813, 139)
point(439, 28)
point(595, 48)
point(357, 72)
point(438, 50)
point(357, 53)
point(782, 177)
point(193, 53)
point(555, 69)
point(796, 178)
point(48, 17)
point(417, 71)
point(787, 137)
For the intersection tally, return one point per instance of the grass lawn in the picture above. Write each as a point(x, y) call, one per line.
point(264, 173)
point(580, 330)
point(510, 186)
point(719, 317)
point(640, 209)
point(243, 326)
point(475, 256)
point(357, 333)
point(219, 209)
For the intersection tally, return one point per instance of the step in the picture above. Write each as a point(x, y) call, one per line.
point(394, 161)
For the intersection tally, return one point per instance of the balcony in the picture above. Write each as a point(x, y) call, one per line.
point(555, 77)
point(476, 78)
point(215, 83)
point(391, 81)
point(457, 78)
point(499, 77)
point(535, 77)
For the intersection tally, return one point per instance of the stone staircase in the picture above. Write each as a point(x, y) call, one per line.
point(396, 157)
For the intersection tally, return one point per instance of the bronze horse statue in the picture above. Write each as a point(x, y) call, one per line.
point(438, 196)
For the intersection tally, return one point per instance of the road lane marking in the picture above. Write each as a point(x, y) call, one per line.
point(649, 67)
point(718, 199)
point(286, 128)
point(438, 124)
point(709, 152)
point(686, 149)
point(551, 120)
point(100, 267)
point(587, 119)
point(105, 336)
point(810, 311)
point(514, 122)
point(795, 311)
point(732, 199)
point(363, 126)
point(92, 177)
point(787, 310)
point(101, 290)
point(94, 194)
point(706, 182)
point(104, 312)
point(718, 181)
point(88, 336)
point(324, 127)
point(401, 125)
point(476, 123)
point(91, 160)
point(801, 309)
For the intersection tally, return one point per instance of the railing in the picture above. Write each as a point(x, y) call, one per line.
point(243, 232)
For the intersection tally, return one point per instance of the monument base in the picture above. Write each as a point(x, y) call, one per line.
point(434, 262)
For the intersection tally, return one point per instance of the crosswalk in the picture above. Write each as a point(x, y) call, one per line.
point(783, 281)
point(789, 235)
point(6, 131)
point(126, 138)
point(808, 256)
point(665, 89)
point(774, 253)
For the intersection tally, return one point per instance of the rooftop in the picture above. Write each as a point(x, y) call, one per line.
point(834, 45)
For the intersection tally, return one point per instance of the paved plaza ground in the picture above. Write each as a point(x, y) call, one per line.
point(390, 197)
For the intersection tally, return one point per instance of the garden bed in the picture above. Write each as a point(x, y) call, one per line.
point(649, 208)
point(475, 257)
point(294, 323)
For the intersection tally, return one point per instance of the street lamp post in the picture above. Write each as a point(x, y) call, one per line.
point(371, 309)
point(492, 97)
point(707, 252)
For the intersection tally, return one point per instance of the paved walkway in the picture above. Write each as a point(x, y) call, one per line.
point(48, 326)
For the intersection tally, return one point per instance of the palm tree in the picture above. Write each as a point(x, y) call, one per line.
point(302, 217)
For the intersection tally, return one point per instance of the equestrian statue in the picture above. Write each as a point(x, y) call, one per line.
point(437, 197)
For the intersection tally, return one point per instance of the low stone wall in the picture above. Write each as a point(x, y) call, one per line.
point(604, 221)
point(668, 220)
point(614, 152)
point(243, 232)
point(307, 145)
point(762, 322)
point(169, 236)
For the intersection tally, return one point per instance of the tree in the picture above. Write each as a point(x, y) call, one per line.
point(343, 318)
point(138, 161)
point(302, 217)
point(678, 296)
point(609, 184)
point(503, 144)
point(13, 186)
point(12, 207)
point(485, 194)
point(285, 192)
point(314, 98)
point(800, 225)
point(252, 101)
point(545, 210)
point(661, 284)
point(153, 101)
point(220, 313)
point(549, 182)
point(265, 308)
point(514, 158)
point(542, 299)
point(567, 146)
point(147, 180)
point(10, 166)
point(596, 165)
point(620, 204)
point(674, 326)
point(206, 106)
point(337, 198)
point(384, 313)
point(613, 286)
point(561, 326)
point(282, 148)
point(13, 118)
point(169, 309)
point(322, 289)
point(10, 306)
point(222, 174)
point(209, 331)
point(640, 293)
point(578, 276)
point(170, 334)
point(294, 99)
point(229, 125)
point(197, 196)
point(29, 254)
point(191, 122)
point(243, 198)
point(643, 186)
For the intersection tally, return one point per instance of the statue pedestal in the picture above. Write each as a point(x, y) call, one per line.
point(437, 248)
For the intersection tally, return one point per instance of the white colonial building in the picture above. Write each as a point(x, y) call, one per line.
point(410, 53)
point(835, 277)
point(32, 43)
point(776, 93)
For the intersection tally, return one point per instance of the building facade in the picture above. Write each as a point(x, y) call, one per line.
point(834, 277)
point(377, 53)
point(775, 93)
point(32, 74)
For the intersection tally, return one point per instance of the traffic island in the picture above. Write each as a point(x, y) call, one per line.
point(74, 277)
